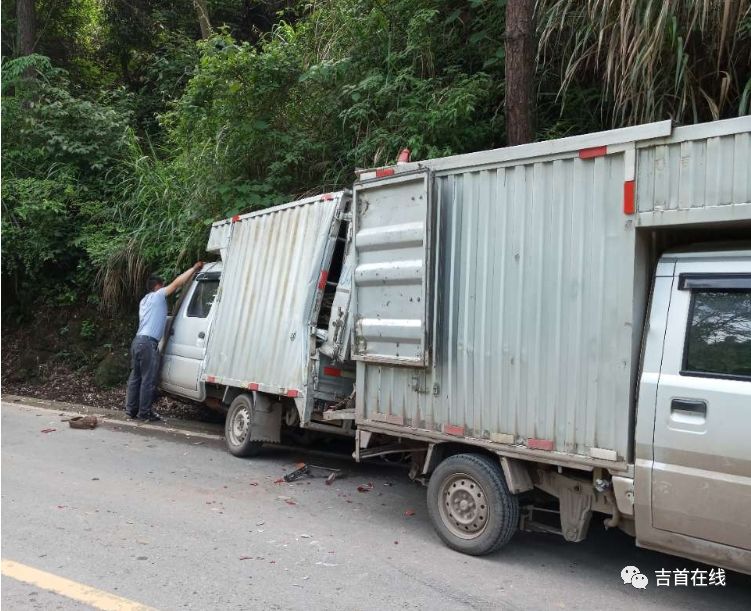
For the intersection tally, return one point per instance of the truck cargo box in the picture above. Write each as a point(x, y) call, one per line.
point(499, 296)
point(276, 262)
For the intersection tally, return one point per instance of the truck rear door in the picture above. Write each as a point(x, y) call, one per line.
point(392, 275)
point(701, 474)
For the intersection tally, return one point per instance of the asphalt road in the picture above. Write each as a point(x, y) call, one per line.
point(176, 524)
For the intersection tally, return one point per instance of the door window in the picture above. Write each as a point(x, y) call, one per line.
point(718, 339)
point(203, 298)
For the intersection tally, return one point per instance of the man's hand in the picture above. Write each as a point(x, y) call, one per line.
point(182, 278)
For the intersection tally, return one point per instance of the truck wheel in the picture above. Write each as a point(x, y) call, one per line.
point(470, 504)
point(237, 428)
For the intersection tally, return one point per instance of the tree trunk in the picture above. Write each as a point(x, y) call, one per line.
point(520, 71)
point(203, 18)
point(25, 27)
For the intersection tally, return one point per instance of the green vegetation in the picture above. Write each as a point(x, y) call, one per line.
point(126, 132)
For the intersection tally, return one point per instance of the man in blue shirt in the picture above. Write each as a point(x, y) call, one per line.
point(144, 351)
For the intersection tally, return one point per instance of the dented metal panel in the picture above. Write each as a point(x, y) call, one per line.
point(261, 337)
point(391, 224)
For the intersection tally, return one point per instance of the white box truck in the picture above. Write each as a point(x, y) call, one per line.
point(564, 324)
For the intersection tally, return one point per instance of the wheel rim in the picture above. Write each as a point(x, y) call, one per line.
point(239, 426)
point(463, 506)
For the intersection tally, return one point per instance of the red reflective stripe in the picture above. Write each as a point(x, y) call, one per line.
point(293, 393)
point(539, 444)
point(595, 151)
point(629, 197)
point(236, 218)
point(210, 379)
point(332, 371)
point(453, 429)
point(384, 172)
point(322, 280)
point(253, 386)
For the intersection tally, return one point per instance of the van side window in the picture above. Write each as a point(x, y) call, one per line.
point(718, 337)
point(203, 298)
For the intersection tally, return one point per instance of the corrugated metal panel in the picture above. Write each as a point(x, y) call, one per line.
point(391, 225)
point(219, 237)
point(271, 272)
point(699, 174)
point(532, 332)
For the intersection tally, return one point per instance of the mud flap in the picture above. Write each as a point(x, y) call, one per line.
point(266, 420)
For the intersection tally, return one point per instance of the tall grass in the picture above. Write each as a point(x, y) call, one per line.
point(159, 222)
point(689, 60)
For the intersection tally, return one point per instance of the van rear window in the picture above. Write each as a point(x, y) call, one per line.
point(718, 342)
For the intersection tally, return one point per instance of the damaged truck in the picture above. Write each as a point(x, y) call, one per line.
point(559, 328)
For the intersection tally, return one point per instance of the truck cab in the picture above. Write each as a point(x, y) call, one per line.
point(184, 345)
point(692, 472)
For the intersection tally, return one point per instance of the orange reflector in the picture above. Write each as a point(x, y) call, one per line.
point(236, 218)
point(595, 151)
point(383, 172)
point(322, 279)
point(210, 379)
point(332, 371)
point(293, 393)
point(539, 444)
point(453, 429)
point(253, 386)
point(328, 197)
point(628, 197)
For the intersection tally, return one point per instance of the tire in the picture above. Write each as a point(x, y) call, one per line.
point(237, 428)
point(456, 492)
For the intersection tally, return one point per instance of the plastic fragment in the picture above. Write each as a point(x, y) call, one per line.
point(48, 430)
point(409, 512)
point(365, 487)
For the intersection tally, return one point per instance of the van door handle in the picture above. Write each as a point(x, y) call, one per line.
point(201, 335)
point(695, 406)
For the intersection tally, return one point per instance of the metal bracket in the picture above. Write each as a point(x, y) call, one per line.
point(418, 387)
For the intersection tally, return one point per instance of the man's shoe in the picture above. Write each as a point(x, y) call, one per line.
point(152, 417)
point(129, 416)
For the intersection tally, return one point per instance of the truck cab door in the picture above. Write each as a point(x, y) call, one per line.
point(185, 347)
point(701, 473)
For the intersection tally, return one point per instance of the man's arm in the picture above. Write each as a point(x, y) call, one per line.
point(182, 278)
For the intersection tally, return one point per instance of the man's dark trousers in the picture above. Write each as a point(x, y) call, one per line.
point(144, 359)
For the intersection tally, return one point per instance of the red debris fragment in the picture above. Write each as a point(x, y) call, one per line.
point(290, 502)
point(279, 481)
point(246, 558)
point(409, 512)
point(48, 430)
point(365, 487)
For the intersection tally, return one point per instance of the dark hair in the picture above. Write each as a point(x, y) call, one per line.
point(153, 282)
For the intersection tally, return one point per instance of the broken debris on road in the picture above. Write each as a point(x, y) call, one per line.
point(329, 473)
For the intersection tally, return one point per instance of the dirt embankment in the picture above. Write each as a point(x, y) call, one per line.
point(78, 355)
